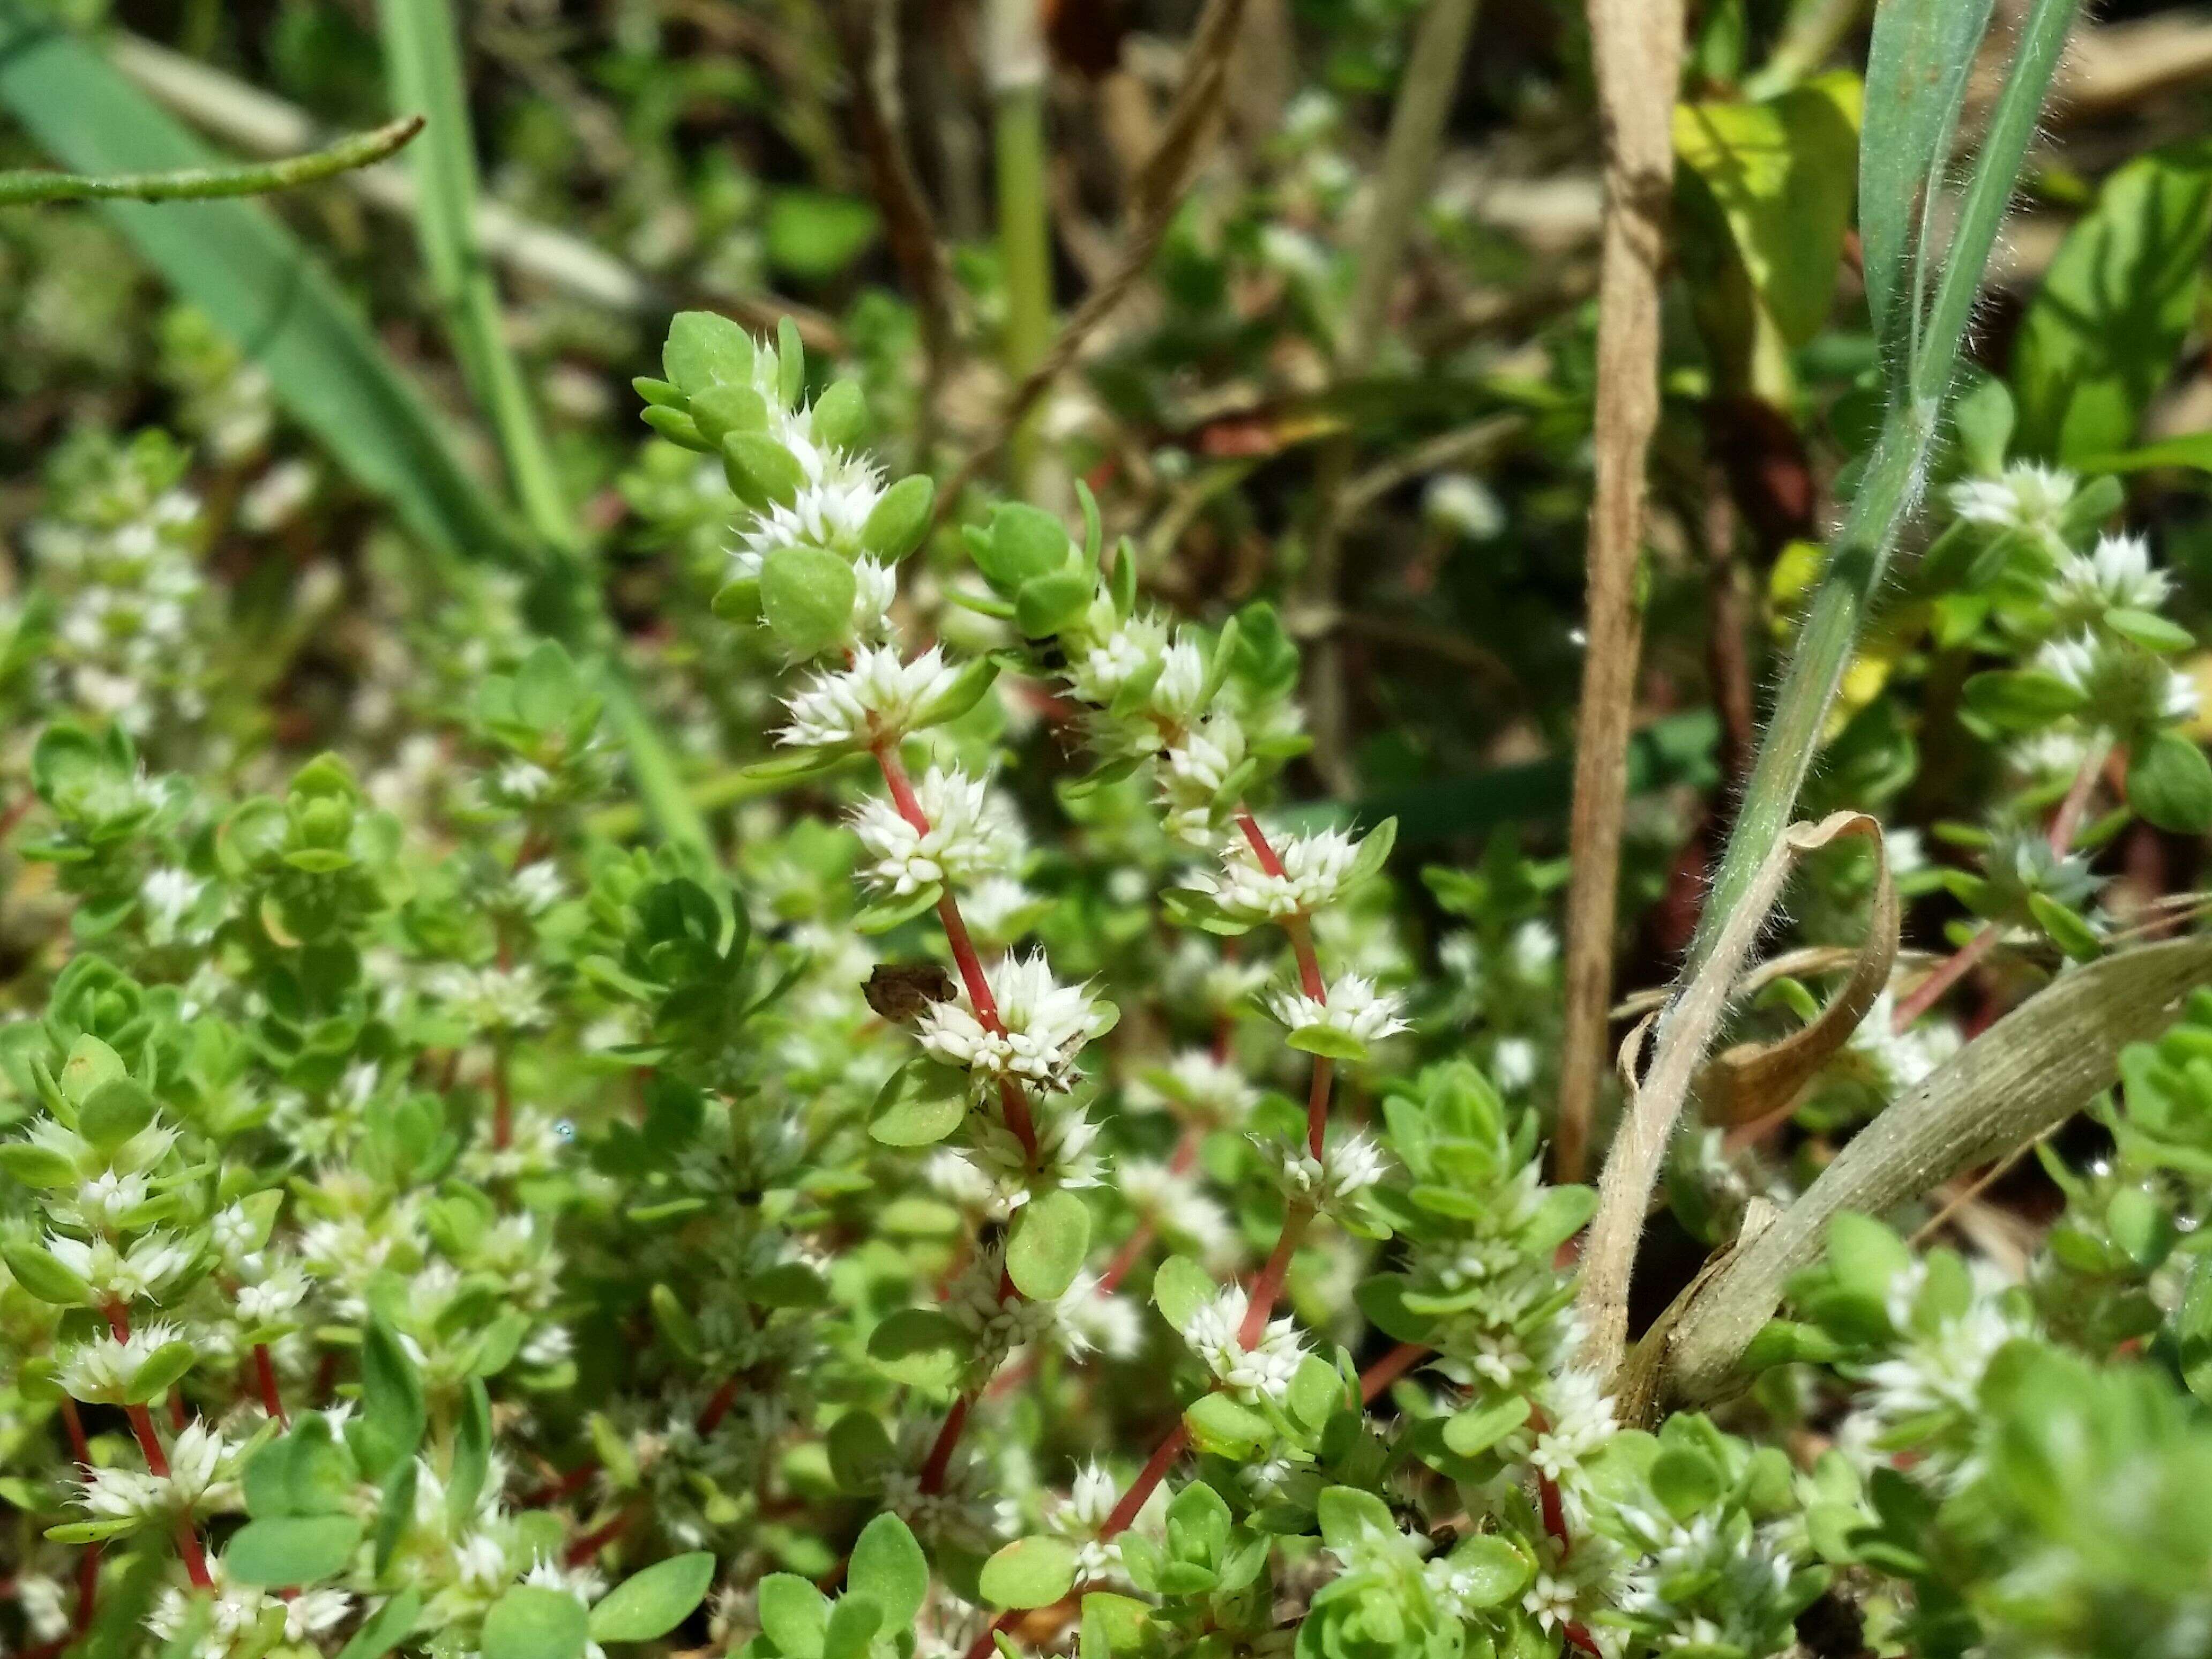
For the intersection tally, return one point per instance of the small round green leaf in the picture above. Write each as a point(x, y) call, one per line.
point(1030, 1572)
point(1045, 1250)
point(897, 522)
point(2170, 783)
point(296, 1549)
point(761, 469)
point(889, 1568)
point(806, 595)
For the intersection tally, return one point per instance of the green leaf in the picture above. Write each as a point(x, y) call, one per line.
point(395, 1512)
point(792, 1614)
point(920, 1104)
point(706, 349)
point(807, 594)
point(1471, 1432)
point(1046, 1247)
point(889, 1568)
point(2170, 783)
point(761, 471)
point(1223, 1426)
point(1180, 1288)
point(2066, 930)
point(2100, 338)
point(386, 1628)
point(1780, 172)
point(1030, 1572)
point(1024, 542)
point(117, 1109)
point(1043, 605)
point(393, 1415)
point(263, 290)
point(1916, 85)
point(813, 235)
point(1684, 1481)
point(920, 1346)
point(291, 1549)
point(897, 522)
point(1327, 1041)
point(647, 1605)
point(159, 1372)
point(841, 417)
point(532, 1622)
point(718, 411)
point(40, 1168)
point(2021, 699)
point(36, 1269)
point(1865, 1255)
point(854, 1621)
point(472, 1455)
point(1487, 1571)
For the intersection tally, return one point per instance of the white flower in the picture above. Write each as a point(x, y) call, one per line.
point(119, 1494)
point(1534, 948)
point(108, 1196)
point(1354, 1009)
point(2125, 685)
point(1314, 871)
point(492, 998)
point(1098, 673)
point(2029, 498)
point(1578, 1420)
point(166, 895)
point(829, 511)
point(995, 903)
point(971, 833)
point(272, 1300)
point(1550, 1600)
point(1353, 1164)
point(99, 1369)
point(1261, 1372)
point(878, 699)
point(1065, 1154)
point(1182, 677)
point(1194, 770)
point(2117, 575)
point(142, 1272)
point(1002, 1323)
point(1031, 1037)
point(40, 1596)
point(1178, 1206)
point(1209, 1092)
point(1513, 1063)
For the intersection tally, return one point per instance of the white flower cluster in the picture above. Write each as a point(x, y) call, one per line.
point(1315, 870)
point(1262, 1371)
point(1354, 1009)
point(2027, 499)
point(1030, 1039)
point(1353, 1164)
point(969, 835)
point(878, 699)
point(2124, 686)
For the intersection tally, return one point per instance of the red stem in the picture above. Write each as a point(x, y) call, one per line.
point(940, 1453)
point(79, 1448)
point(264, 1370)
point(149, 1444)
point(1389, 1368)
point(598, 1538)
point(1931, 990)
point(1261, 1303)
point(1155, 1471)
point(718, 1408)
point(502, 1101)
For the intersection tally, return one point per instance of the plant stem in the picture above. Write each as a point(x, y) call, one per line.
point(1389, 1368)
point(1018, 77)
point(265, 1371)
point(25, 186)
point(1155, 1471)
point(1637, 51)
point(157, 1462)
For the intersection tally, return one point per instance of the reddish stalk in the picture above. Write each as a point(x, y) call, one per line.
point(948, 1438)
point(80, 1447)
point(600, 1537)
point(1260, 1304)
point(1155, 1471)
point(502, 1101)
point(265, 1371)
point(718, 1406)
point(150, 1445)
point(1389, 1368)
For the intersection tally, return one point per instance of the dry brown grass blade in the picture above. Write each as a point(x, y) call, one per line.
point(1685, 1031)
point(863, 28)
point(1636, 48)
point(2032, 1069)
point(1154, 195)
point(1753, 1080)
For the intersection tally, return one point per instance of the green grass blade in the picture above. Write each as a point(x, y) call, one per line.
point(1915, 83)
point(423, 54)
point(22, 188)
point(266, 292)
point(1892, 482)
